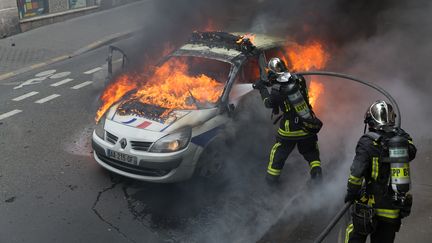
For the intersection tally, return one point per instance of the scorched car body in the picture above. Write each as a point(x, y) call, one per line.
point(137, 146)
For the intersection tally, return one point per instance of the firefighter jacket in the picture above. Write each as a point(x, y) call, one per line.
point(372, 177)
point(290, 126)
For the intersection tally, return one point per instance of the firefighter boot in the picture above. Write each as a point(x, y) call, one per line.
point(316, 173)
point(272, 179)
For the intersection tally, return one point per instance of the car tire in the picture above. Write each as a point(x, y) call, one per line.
point(211, 163)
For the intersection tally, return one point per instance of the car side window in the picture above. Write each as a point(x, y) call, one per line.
point(248, 74)
point(211, 68)
point(249, 71)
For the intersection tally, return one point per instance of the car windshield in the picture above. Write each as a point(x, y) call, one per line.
point(179, 83)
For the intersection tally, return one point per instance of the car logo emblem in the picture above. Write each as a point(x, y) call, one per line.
point(123, 143)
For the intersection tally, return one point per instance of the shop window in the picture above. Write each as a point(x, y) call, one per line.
point(32, 8)
point(73, 4)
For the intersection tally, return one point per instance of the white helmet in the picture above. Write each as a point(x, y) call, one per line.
point(380, 115)
point(277, 66)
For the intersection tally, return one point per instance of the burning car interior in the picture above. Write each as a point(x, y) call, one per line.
point(181, 82)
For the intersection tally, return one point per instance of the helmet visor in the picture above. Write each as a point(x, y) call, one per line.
point(276, 65)
point(383, 114)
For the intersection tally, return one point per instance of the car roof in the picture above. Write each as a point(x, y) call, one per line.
point(263, 41)
point(224, 46)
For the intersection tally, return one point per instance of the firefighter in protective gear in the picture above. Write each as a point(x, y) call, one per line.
point(294, 130)
point(369, 184)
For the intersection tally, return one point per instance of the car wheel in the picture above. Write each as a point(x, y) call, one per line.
point(212, 162)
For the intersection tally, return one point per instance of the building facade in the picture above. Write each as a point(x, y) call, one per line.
point(32, 8)
point(21, 15)
point(9, 20)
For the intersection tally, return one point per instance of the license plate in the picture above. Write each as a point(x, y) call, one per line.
point(123, 157)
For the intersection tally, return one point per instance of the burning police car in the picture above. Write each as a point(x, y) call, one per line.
point(167, 129)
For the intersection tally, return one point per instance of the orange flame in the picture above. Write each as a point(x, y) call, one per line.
point(248, 36)
point(169, 86)
point(210, 26)
point(315, 90)
point(113, 93)
point(307, 57)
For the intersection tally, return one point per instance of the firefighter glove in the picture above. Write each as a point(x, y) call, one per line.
point(406, 209)
point(259, 84)
point(351, 197)
point(312, 125)
point(272, 76)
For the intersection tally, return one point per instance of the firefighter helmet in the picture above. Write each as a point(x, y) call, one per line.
point(380, 115)
point(277, 66)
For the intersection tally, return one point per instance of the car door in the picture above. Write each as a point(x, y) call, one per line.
point(249, 72)
point(116, 61)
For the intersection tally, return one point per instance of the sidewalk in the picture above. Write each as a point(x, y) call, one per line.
point(50, 43)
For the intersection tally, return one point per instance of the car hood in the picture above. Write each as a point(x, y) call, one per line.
point(175, 120)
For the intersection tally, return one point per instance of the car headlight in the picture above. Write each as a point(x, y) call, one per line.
point(172, 142)
point(99, 130)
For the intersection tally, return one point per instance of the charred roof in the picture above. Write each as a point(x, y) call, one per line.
point(223, 40)
point(225, 46)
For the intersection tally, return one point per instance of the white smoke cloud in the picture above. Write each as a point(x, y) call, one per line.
point(387, 42)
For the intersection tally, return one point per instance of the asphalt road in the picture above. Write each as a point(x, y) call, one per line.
point(52, 190)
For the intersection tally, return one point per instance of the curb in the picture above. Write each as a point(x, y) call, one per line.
point(104, 41)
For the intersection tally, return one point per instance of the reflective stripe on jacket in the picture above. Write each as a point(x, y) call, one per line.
point(289, 127)
point(368, 172)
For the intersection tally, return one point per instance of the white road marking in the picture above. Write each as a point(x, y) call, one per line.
point(64, 81)
point(45, 73)
point(79, 86)
point(93, 70)
point(31, 82)
point(25, 96)
point(46, 99)
point(59, 75)
point(9, 114)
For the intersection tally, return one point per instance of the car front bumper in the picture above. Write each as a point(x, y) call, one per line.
point(151, 167)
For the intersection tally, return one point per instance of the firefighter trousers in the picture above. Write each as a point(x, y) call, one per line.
point(308, 147)
point(385, 232)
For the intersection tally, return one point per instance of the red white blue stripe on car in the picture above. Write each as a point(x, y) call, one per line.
point(140, 122)
point(204, 138)
point(130, 121)
point(144, 123)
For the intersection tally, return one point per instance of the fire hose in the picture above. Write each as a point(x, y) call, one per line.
point(333, 222)
point(347, 205)
point(374, 86)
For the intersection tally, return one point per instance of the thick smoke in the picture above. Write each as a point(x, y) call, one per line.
point(386, 42)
